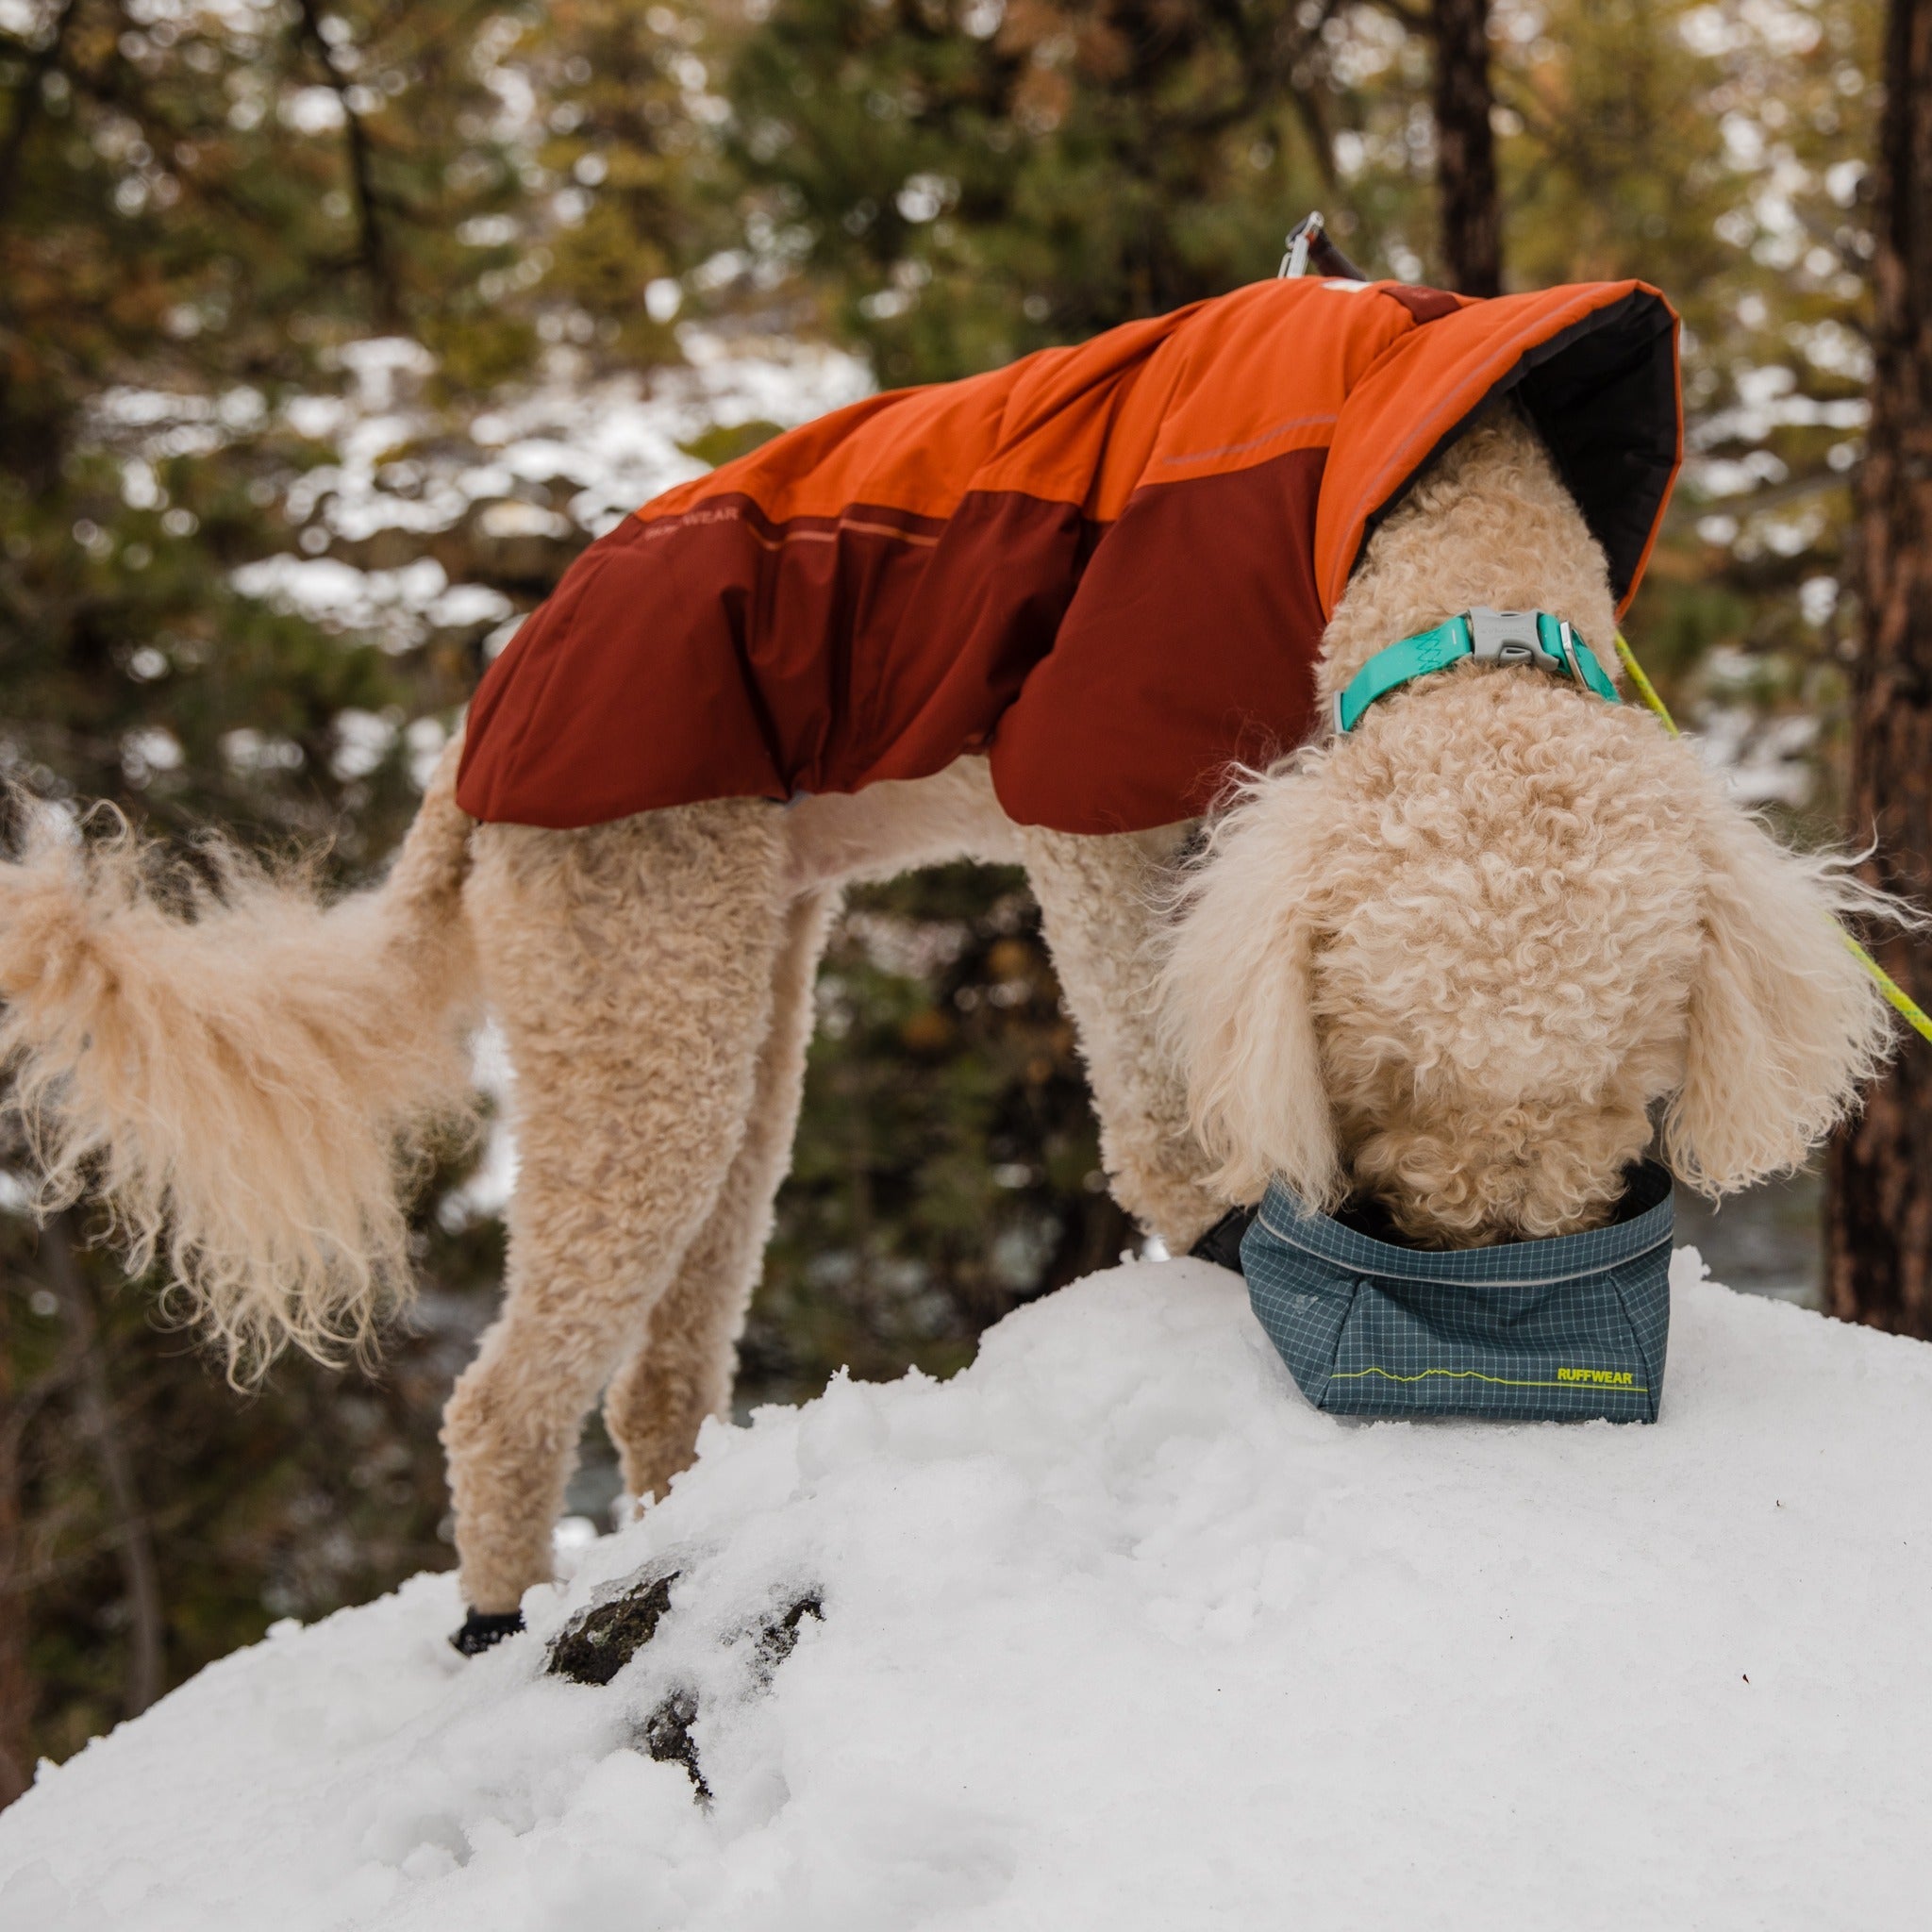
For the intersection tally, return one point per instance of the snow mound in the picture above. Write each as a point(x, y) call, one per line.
point(1114, 1629)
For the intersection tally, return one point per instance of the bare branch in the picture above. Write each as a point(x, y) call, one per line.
point(26, 103)
point(374, 255)
point(1320, 137)
point(16, 1691)
point(1268, 64)
point(132, 1535)
point(1417, 19)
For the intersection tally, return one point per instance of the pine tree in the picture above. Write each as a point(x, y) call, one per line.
point(966, 182)
point(1472, 210)
point(1879, 1212)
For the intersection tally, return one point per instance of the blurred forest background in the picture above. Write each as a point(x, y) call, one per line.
point(331, 329)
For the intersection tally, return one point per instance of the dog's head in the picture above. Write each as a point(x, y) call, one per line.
point(1468, 959)
point(1464, 990)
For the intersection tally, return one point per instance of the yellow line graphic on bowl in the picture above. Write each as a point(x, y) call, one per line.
point(1578, 1378)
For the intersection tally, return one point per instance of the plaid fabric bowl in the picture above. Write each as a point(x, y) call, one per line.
point(1563, 1330)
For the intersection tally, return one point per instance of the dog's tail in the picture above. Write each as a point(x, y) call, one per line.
point(245, 1079)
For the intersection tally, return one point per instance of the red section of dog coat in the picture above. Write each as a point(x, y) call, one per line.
point(1108, 566)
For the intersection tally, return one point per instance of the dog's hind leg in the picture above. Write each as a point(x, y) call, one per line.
point(658, 1400)
point(631, 967)
point(1098, 903)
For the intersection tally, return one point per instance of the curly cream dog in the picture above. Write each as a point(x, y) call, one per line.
point(1455, 961)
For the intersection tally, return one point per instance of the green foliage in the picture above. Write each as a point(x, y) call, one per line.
point(965, 182)
point(723, 443)
point(1717, 151)
point(188, 228)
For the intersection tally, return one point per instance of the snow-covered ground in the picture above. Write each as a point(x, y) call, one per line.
point(1113, 1630)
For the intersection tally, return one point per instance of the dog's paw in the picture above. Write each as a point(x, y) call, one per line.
point(483, 1628)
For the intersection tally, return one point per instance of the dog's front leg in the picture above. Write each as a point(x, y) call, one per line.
point(1098, 902)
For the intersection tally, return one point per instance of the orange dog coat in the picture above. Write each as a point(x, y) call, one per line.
point(1107, 567)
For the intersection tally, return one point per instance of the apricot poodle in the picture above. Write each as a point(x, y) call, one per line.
point(1465, 960)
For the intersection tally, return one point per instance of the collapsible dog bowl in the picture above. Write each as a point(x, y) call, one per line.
point(1563, 1330)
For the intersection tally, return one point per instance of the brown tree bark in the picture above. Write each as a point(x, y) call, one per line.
point(1466, 147)
point(1878, 1214)
point(28, 103)
point(372, 247)
point(100, 1419)
point(16, 1691)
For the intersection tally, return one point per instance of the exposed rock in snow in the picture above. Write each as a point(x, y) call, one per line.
point(1113, 1630)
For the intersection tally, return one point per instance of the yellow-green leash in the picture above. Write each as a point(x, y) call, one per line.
point(1645, 690)
point(1898, 998)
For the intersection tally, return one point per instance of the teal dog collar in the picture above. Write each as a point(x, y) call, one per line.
point(1490, 637)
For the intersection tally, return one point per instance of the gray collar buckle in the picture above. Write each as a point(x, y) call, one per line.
point(1512, 637)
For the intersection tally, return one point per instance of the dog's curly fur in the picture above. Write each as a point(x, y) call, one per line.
point(1498, 921)
point(245, 1089)
point(1456, 961)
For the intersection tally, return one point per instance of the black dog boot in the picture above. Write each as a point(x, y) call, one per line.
point(482, 1629)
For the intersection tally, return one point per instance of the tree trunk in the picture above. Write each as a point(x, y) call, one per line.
point(1466, 148)
point(16, 1691)
point(1878, 1215)
point(101, 1421)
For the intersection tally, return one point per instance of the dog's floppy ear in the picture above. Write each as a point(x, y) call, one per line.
point(1784, 1025)
point(1236, 998)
